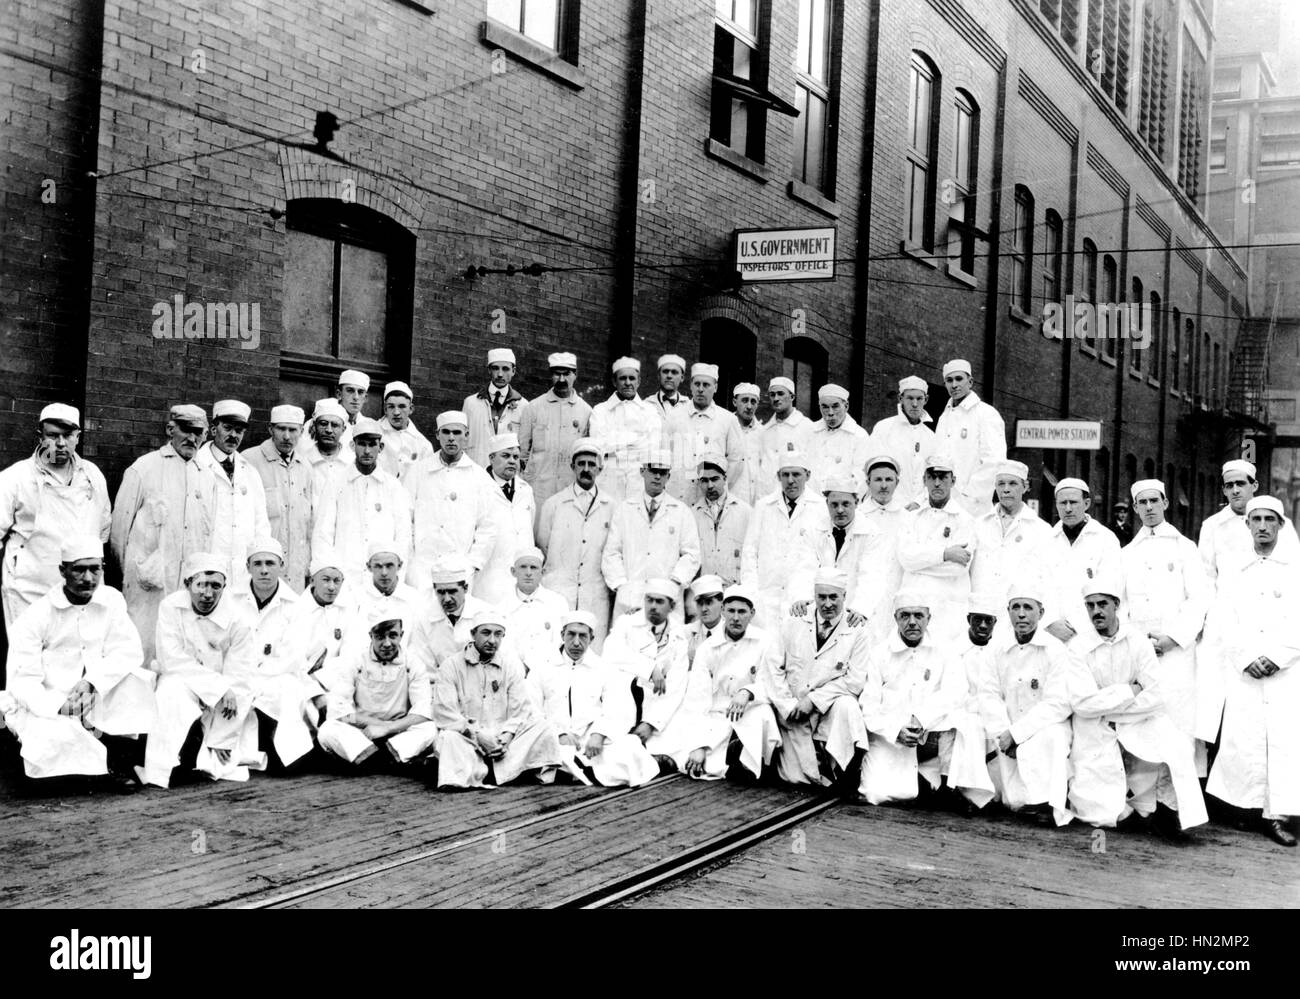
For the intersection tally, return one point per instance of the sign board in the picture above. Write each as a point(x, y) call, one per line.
point(785, 254)
point(1059, 435)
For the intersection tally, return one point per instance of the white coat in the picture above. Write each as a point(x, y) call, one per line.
point(484, 425)
point(746, 663)
point(699, 432)
point(626, 431)
point(722, 529)
point(238, 510)
point(533, 624)
point(287, 485)
point(514, 533)
point(549, 428)
point(909, 445)
point(37, 513)
point(435, 638)
point(973, 435)
point(405, 604)
point(867, 557)
point(454, 513)
point(778, 546)
point(324, 470)
point(748, 477)
point(572, 529)
point(1010, 549)
point(53, 646)
point(1225, 543)
point(356, 510)
point(1094, 554)
point(639, 550)
point(391, 691)
point(778, 438)
point(319, 632)
point(927, 534)
point(402, 448)
point(837, 452)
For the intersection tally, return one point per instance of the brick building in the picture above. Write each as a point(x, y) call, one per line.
point(978, 160)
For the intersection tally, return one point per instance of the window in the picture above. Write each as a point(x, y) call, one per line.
point(1203, 363)
point(1107, 53)
point(1216, 388)
point(922, 137)
point(1088, 292)
point(805, 364)
point(1135, 326)
point(549, 23)
point(741, 100)
point(817, 56)
point(348, 280)
point(1110, 296)
point(1052, 259)
point(965, 182)
point(1022, 252)
point(1279, 140)
point(1063, 15)
point(1191, 113)
point(1227, 83)
point(1218, 145)
point(1175, 372)
point(1188, 345)
point(1154, 108)
point(1156, 349)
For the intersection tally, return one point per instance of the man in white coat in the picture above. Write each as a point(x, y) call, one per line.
point(515, 511)
point(327, 453)
point(671, 404)
point(206, 656)
point(855, 546)
point(786, 430)
point(379, 590)
point(232, 489)
point(780, 541)
point(906, 438)
point(589, 704)
point(1258, 765)
point(160, 519)
point(533, 613)
point(1079, 549)
point(652, 535)
point(627, 428)
point(1010, 537)
point(745, 398)
point(1024, 684)
point(837, 445)
point(706, 428)
point(572, 529)
point(549, 427)
point(404, 445)
point(721, 518)
point(363, 505)
point(1167, 596)
point(351, 390)
point(1127, 755)
point(1225, 541)
point(818, 682)
point(54, 495)
point(445, 626)
point(974, 434)
point(78, 695)
point(495, 409)
point(452, 502)
point(287, 484)
point(914, 703)
point(322, 619)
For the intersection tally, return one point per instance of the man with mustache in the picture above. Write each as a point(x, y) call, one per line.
point(445, 628)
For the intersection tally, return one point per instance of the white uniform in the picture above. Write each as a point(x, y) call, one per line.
point(159, 520)
point(1094, 554)
point(635, 651)
point(836, 453)
point(549, 428)
point(778, 438)
point(1127, 752)
point(1225, 543)
point(402, 448)
point(866, 557)
point(485, 423)
point(392, 691)
point(909, 445)
point(287, 485)
point(454, 512)
point(928, 533)
point(639, 549)
point(238, 510)
point(1010, 548)
point(37, 513)
point(324, 470)
point(514, 533)
point(533, 624)
point(748, 663)
point(357, 510)
point(436, 638)
point(405, 604)
point(700, 432)
point(53, 646)
point(974, 435)
point(200, 660)
point(778, 545)
point(319, 632)
point(750, 475)
point(722, 528)
point(626, 431)
point(572, 529)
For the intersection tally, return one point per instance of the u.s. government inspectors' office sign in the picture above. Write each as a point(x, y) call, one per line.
point(1059, 435)
point(785, 254)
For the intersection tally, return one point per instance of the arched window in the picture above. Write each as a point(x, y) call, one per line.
point(965, 174)
point(1136, 302)
point(1052, 258)
point(922, 140)
point(733, 347)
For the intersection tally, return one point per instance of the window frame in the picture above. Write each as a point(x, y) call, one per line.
point(921, 67)
point(1088, 293)
point(1022, 250)
point(965, 187)
point(825, 90)
point(1111, 295)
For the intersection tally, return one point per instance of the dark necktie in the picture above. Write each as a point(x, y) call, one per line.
point(509, 489)
point(229, 465)
point(790, 504)
point(838, 533)
point(652, 509)
point(499, 401)
point(823, 632)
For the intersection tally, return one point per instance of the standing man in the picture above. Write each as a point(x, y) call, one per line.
point(707, 427)
point(1120, 524)
point(653, 535)
point(837, 446)
point(1225, 541)
point(721, 519)
point(907, 439)
point(974, 433)
point(786, 430)
point(1011, 538)
point(287, 484)
point(744, 400)
point(627, 428)
point(515, 512)
point(454, 505)
point(326, 452)
point(233, 490)
point(351, 391)
point(496, 409)
point(44, 500)
point(1079, 549)
point(780, 540)
point(404, 445)
point(550, 425)
point(882, 506)
point(572, 529)
point(363, 505)
point(853, 545)
point(160, 519)
point(671, 404)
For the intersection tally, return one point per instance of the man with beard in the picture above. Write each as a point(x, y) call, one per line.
point(287, 484)
point(404, 445)
point(721, 519)
point(496, 409)
point(907, 439)
point(627, 428)
point(550, 426)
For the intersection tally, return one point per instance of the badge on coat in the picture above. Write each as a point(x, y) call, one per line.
point(378, 507)
point(266, 649)
point(496, 685)
point(964, 432)
point(451, 496)
point(1090, 572)
point(927, 675)
point(338, 634)
point(575, 424)
point(917, 447)
point(1033, 684)
point(947, 532)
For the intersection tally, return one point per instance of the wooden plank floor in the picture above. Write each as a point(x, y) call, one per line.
point(911, 858)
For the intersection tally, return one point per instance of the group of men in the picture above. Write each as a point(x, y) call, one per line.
point(654, 583)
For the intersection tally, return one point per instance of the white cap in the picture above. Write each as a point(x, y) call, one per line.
point(382, 546)
point(58, 412)
point(185, 413)
point(449, 572)
point(264, 544)
point(983, 603)
point(452, 417)
point(489, 615)
point(844, 482)
point(830, 576)
point(660, 587)
point(958, 364)
point(500, 442)
point(324, 557)
point(562, 359)
point(401, 388)
point(658, 458)
point(1241, 465)
point(911, 597)
point(781, 382)
point(1025, 587)
point(367, 427)
point(203, 562)
point(739, 591)
point(882, 459)
point(353, 377)
point(747, 388)
point(80, 546)
point(792, 459)
point(666, 359)
point(531, 552)
point(1142, 485)
point(1109, 585)
point(578, 617)
point(912, 383)
point(381, 614)
point(231, 409)
point(714, 458)
point(939, 463)
point(1011, 467)
point(288, 414)
point(833, 391)
point(501, 355)
point(1265, 503)
point(626, 363)
point(585, 445)
point(331, 408)
point(1070, 483)
point(708, 584)
point(702, 370)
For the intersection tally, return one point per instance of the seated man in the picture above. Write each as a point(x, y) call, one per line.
point(206, 657)
point(380, 696)
point(817, 688)
point(706, 593)
point(981, 620)
point(1024, 684)
point(1128, 756)
point(742, 661)
point(913, 705)
point(320, 621)
point(491, 728)
point(384, 594)
point(590, 705)
point(78, 695)
point(284, 695)
point(446, 630)
point(533, 611)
